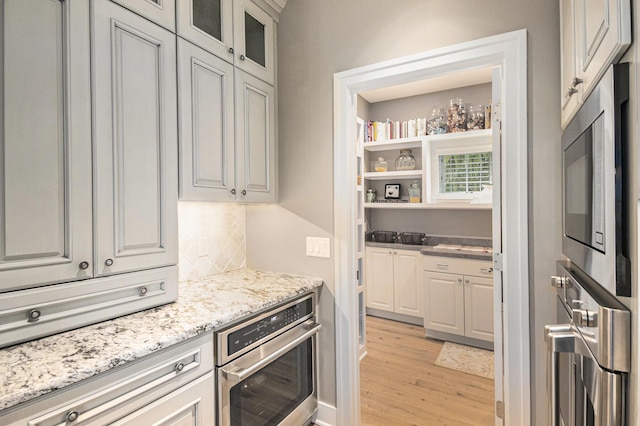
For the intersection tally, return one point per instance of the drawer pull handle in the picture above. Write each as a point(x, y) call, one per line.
point(72, 416)
point(179, 367)
point(143, 291)
point(83, 265)
point(486, 270)
point(108, 262)
point(442, 265)
point(34, 315)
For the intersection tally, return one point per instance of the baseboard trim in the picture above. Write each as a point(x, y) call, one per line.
point(326, 415)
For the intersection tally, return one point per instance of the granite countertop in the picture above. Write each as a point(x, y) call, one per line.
point(41, 366)
point(430, 247)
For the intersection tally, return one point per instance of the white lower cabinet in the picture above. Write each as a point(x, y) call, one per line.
point(459, 303)
point(392, 282)
point(173, 387)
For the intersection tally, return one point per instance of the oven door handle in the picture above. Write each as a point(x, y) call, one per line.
point(560, 339)
point(239, 374)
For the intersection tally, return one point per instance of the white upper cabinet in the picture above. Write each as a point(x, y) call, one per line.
point(254, 40)
point(208, 24)
point(206, 107)
point(595, 34)
point(45, 149)
point(255, 139)
point(162, 12)
point(135, 142)
point(239, 32)
point(227, 131)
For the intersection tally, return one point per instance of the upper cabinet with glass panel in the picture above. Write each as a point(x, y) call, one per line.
point(239, 32)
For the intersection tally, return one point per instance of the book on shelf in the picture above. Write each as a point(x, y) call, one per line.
point(389, 130)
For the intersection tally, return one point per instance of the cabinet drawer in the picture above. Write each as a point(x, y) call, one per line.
point(42, 311)
point(455, 265)
point(114, 394)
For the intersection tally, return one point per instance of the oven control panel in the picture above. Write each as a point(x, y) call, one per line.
point(269, 324)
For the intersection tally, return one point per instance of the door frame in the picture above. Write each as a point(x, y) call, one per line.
point(508, 52)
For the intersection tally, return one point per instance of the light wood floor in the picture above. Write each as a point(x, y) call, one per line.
point(400, 385)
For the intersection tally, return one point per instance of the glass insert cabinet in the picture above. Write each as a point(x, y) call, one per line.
point(238, 32)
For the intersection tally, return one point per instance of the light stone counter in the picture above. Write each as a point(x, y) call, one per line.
point(41, 366)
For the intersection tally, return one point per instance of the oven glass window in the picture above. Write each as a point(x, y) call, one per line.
point(578, 189)
point(271, 394)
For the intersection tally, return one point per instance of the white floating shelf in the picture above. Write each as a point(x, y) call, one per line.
point(404, 143)
point(404, 174)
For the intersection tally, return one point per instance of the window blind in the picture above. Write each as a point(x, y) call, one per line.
point(463, 173)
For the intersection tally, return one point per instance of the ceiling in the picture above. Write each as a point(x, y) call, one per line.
point(433, 84)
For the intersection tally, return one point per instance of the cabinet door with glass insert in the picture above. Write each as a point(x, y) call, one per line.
point(208, 24)
point(253, 39)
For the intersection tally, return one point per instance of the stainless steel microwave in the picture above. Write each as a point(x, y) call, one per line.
point(595, 184)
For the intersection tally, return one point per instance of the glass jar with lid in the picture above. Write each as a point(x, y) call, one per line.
point(475, 117)
point(456, 116)
point(437, 123)
point(380, 165)
point(406, 160)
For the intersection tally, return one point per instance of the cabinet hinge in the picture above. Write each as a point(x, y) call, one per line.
point(496, 113)
point(500, 409)
point(497, 262)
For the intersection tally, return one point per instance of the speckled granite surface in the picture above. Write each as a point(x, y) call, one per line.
point(38, 367)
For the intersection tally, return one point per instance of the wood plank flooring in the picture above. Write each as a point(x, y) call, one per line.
point(400, 385)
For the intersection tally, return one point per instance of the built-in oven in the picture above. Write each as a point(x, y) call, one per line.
point(589, 353)
point(266, 367)
point(596, 169)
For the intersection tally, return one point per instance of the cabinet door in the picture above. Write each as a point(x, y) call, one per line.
point(408, 290)
point(162, 12)
point(208, 24)
point(379, 279)
point(255, 139)
point(45, 145)
point(135, 141)
point(254, 40)
point(570, 91)
point(444, 308)
point(478, 300)
point(604, 33)
point(206, 125)
point(190, 405)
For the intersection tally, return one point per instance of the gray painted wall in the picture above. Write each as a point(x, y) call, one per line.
point(319, 38)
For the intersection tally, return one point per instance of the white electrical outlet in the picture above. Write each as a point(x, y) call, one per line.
point(318, 247)
point(203, 247)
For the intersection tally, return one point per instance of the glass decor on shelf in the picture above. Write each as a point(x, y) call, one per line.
point(406, 160)
point(381, 165)
point(456, 116)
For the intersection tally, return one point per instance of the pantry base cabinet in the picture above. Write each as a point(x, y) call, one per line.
point(392, 281)
point(458, 303)
point(173, 387)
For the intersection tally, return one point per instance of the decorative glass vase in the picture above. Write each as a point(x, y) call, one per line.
point(405, 161)
point(414, 192)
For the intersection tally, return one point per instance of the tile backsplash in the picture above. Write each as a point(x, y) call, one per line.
point(212, 238)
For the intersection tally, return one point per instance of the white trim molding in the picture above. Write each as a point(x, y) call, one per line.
point(508, 52)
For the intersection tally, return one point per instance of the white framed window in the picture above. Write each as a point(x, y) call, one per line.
point(459, 170)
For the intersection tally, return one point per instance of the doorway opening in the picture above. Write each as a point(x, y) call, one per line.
point(507, 54)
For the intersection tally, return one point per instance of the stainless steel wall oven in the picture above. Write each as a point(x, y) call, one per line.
point(589, 353)
point(266, 367)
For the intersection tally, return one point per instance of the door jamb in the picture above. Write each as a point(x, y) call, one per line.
point(508, 51)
